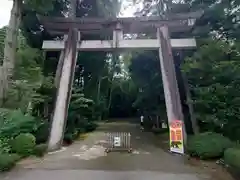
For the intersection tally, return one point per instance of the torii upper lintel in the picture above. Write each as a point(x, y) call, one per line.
point(176, 23)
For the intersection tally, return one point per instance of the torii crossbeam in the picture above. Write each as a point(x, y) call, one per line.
point(73, 28)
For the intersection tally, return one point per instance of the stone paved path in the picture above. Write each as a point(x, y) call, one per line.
point(87, 159)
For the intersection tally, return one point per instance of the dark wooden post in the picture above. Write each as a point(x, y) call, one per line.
point(171, 90)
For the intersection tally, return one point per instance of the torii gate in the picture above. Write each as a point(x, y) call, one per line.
point(73, 28)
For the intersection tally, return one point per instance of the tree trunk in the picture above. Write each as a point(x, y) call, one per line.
point(190, 105)
point(99, 89)
point(10, 49)
point(1, 85)
point(157, 121)
point(98, 96)
point(110, 95)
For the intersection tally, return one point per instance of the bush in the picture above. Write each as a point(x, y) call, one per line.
point(42, 132)
point(4, 145)
point(68, 138)
point(208, 145)
point(24, 144)
point(7, 161)
point(160, 130)
point(91, 126)
point(232, 157)
point(39, 150)
point(14, 122)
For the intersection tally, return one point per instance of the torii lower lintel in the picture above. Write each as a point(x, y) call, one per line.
point(96, 45)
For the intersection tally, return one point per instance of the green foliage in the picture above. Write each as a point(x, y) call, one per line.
point(42, 132)
point(68, 138)
point(208, 145)
point(4, 145)
point(145, 73)
point(24, 144)
point(7, 161)
point(27, 77)
point(79, 103)
point(40, 150)
point(232, 157)
point(2, 38)
point(214, 76)
point(91, 126)
point(15, 122)
point(80, 109)
point(41, 6)
point(160, 130)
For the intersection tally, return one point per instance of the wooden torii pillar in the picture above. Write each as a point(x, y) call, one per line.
point(163, 43)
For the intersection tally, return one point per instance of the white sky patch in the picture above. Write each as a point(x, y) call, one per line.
point(5, 10)
point(127, 10)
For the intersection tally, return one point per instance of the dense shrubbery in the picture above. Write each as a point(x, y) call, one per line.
point(79, 117)
point(14, 122)
point(25, 135)
point(232, 157)
point(40, 150)
point(160, 130)
point(214, 82)
point(42, 132)
point(208, 145)
point(13, 125)
point(7, 161)
point(4, 145)
point(24, 144)
point(74, 130)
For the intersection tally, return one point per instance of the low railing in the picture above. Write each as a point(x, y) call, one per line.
point(118, 141)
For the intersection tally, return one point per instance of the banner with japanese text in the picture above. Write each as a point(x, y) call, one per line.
point(176, 137)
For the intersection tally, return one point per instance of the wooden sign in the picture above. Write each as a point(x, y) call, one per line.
point(176, 137)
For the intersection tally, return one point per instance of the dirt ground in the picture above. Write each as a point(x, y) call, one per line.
point(87, 158)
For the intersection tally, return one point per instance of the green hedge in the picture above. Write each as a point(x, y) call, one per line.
point(14, 122)
point(208, 145)
point(39, 150)
point(68, 138)
point(24, 144)
point(160, 130)
point(42, 132)
point(7, 161)
point(91, 126)
point(232, 157)
point(4, 145)
point(73, 133)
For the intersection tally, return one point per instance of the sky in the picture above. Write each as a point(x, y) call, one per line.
point(6, 6)
point(5, 9)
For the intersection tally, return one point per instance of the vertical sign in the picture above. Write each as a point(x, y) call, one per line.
point(117, 142)
point(176, 137)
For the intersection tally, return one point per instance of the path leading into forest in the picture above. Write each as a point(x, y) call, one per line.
point(87, 160)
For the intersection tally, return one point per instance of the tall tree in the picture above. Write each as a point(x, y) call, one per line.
point(11, 42)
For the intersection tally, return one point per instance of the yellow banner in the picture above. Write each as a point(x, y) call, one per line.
point(176, 137)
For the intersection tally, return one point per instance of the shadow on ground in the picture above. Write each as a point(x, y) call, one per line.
point(88, 156)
